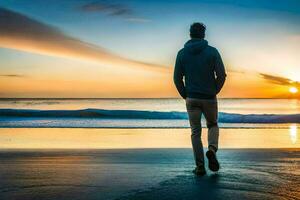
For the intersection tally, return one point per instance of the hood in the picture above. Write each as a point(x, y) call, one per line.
point(195, 46)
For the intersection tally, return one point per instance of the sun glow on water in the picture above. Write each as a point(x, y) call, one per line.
point(293, 90)
point(293, 133)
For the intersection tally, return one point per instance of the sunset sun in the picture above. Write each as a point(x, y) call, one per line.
point(293, 90)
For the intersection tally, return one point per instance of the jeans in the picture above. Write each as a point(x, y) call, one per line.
point(195, 109)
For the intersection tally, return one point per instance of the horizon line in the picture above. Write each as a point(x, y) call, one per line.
point(86, 98)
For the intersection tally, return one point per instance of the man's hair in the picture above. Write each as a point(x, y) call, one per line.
point(197, 30)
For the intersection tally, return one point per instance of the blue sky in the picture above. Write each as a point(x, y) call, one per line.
point(251, 35)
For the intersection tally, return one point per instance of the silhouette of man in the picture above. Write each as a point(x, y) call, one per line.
point(199, 76)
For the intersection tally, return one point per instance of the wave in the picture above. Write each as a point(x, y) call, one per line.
point(139, 114)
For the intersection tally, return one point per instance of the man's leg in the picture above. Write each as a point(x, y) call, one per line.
point(210, 111)
point(194, 113)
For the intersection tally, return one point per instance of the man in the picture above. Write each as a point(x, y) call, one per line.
point(204, 75)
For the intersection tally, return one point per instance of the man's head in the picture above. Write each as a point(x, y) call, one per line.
point(197, 30)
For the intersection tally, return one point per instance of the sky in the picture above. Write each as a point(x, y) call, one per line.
point(127, 49)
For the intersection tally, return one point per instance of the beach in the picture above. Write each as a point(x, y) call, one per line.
point(55, 163)
point(136, 149)
point(100, 99)
point(148, 174)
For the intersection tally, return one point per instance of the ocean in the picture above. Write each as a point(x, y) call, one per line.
point(143, 113)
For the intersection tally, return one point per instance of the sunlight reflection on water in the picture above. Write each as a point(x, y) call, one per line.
point(293, 133)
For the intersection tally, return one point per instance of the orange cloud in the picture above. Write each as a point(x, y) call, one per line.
point(20, 32)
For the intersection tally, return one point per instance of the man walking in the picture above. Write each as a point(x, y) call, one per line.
point(199, 76)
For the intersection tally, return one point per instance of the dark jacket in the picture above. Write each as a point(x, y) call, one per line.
point(202, 68)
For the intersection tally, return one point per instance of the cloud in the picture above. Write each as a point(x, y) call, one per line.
point(279, 80)
point(108, 8)
point(118, 10)
point(137, 19)
point(12, 75)
point(20, 32)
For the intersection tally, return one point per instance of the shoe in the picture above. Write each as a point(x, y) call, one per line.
point(199, 171)
point(213, 163)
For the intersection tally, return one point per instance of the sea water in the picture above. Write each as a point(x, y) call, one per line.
point(143, 113)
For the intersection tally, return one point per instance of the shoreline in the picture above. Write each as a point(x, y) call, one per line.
point(56, 127)
point(113, 138)
point(77, 150)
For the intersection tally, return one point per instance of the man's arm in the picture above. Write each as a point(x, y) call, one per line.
point(178, 77)
point(220, 72)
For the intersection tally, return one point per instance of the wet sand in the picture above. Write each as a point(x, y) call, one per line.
point(90, 138)
point(146, 164)
point(147, 174)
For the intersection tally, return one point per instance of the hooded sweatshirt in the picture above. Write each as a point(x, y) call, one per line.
point(199, 70)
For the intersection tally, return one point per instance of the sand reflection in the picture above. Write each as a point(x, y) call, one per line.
point(78, 138)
